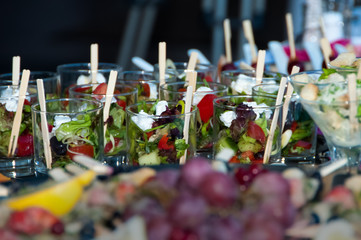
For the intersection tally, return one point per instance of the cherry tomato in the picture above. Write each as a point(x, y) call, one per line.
point(121, 103)
point(146, 89)
point(82, 89)
point(163, 143)
point(182, 90)
point(208, 78)
point(302, 144)
point(294, 126)
point(84, 149)
point(205, 107)
point(256, 132)
point(234, 159)
point(109, 145)
point(249, 155)
point(101, 89)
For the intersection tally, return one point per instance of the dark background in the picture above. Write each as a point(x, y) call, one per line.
point(49, 33)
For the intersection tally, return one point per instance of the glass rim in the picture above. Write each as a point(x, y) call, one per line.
point(72, 90)
point(85, 67)
point(32, 95)
point(225, 88)
point(51, 76)
point(130, 112)
point(217, 103)
point(248, 71)
point(146, 73)
point(271, 84)
point(93, 101)
point(334, 103)
point(185, 64)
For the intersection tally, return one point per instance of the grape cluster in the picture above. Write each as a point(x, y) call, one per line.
point(197, 202)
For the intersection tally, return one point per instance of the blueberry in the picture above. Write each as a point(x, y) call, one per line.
point(315, 219)
point(87, 231)
point(58, 148)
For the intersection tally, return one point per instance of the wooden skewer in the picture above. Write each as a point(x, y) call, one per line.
point(17, 119)
point(260, 66)
point(227, 39)
point(291, 39)
point(288, 97)
point(191, 79)
point(322, 27)
point(248, 33)
point(192, 61)
point(351, 78)
point(326, 50)
point(16, 70)
point(162, 58)
point(359, 73)
point(108, 97)
point(94, 63)
point(44, 123)
point(188, 104)
point(267, 151)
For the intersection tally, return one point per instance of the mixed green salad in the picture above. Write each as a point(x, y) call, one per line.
point(8, 106)
point(76, 129)
point(203, 98)
point(155, 133)
point(243, 126)
point(114, 142)
point(299, 132)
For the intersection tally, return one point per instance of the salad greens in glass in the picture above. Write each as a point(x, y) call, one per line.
point(203, 98)
point(155, 133)
point(299, 132)
point(75, 127)
point(124, 95)
point(9, 96)
point(242, 125)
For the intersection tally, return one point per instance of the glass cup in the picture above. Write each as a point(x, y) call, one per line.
point(329, 107)
point(344, 70)
point(22, 163)
point(240, 82)
point(114, 142)
point(80, 73)
point(158, 139)
point(205, 72)
point(203, 97)
point(242, 123)
point(51, 82)
point(146, 82)
point(75, 128)
point(299, 134)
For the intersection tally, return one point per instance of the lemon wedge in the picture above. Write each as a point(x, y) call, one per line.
point(59, 199)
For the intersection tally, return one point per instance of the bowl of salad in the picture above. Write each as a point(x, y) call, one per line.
point(22, 163)
point(203, 98)
point(155, 133)
point(75, 128)
point(124, 95)
point(299, 135)
point(241, 125)
point(241, 81)
point(207, 72)
point(346, 62)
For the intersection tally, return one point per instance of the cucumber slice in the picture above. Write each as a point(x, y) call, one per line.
point(150, 159)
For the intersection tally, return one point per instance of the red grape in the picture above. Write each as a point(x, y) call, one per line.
point(194, 171)
point(188, 211)
point(270, 183)
point(168, 178)
point(260, 226)
point(181, 234)
point(227, 228)
point(159, 229)
point(219, 189)
point(279, 209)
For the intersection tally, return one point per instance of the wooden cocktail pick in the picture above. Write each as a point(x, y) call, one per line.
point(268, 148)
point(248, 33)
point(16, 70)
point(187, 109)
point(288, 97)
point(44, 123)
point(326, 50)
point(94, 60)
point(108, 97)
point(291, 39)
point(260, 66)
point(351, 79)
point(227, 39)
point(17, 119)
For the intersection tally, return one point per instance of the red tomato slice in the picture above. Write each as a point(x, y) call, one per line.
point(82, 89)
point(234, 159)
point(85, 149)
point(256, 132)
point(121, 103)
point(293, 126)
point(26, 102)
point(205, 107)
point(248, 154)
point(146, 89)
point(163, 143)
point(182, 90)
point(109, 145)
point(209, 78)
point(302, 144)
